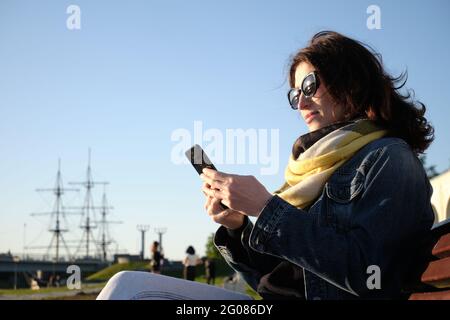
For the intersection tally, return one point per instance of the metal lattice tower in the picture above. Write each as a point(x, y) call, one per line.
point(88, 221)
point(160, 232)
point(143, 229)
point(56, 216)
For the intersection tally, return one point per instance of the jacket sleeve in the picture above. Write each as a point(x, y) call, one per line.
point(233, 245)
point(390, 214)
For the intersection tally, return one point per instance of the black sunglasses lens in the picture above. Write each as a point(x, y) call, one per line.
point(293, 98)
point(309, 86)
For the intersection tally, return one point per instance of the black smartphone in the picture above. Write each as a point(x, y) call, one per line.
point(198, 158)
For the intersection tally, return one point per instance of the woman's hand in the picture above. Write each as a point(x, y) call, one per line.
point(244, 194)
point(228, 218)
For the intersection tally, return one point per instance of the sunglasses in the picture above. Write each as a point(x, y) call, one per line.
point(309, 87)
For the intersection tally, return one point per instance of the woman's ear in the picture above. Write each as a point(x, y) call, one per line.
point(370, 113)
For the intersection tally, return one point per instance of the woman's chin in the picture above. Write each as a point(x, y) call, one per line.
point(318, 123)
point(313, 126)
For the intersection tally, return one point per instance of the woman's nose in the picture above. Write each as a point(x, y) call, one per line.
point(302, 102)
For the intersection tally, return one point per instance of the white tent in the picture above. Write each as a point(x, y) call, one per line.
point(441, 196)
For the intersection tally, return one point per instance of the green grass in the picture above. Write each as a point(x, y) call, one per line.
point(29, 291)
point(22, 292)
point(222, 270)
point(99, 279)
point(252, 293)
point(105, 274)
point(75, 297)
point(220, 281)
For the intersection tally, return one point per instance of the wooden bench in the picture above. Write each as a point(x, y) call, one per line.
point(436, 276)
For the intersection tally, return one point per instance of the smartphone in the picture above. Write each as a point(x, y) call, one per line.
point(199, 160)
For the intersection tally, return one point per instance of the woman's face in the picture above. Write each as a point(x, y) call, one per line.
point(320, 110)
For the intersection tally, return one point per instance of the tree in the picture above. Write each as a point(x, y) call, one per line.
point(430, 170)
point(222, 267)
point(211, 250)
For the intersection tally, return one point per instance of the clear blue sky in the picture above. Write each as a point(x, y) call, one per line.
point(138, 70)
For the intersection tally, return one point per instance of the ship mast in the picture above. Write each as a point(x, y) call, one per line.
point(106, 239)
point(57, 214)
point(88, 221)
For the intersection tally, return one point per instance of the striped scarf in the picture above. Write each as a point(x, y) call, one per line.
point(306, 176)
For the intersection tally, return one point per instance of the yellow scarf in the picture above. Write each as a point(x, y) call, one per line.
point(306, 176)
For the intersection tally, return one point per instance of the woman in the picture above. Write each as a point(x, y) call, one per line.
point(350, 218)
point(190, 263)
point(210, 270)
point(157, 258)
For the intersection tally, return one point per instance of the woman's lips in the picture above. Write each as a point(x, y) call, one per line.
point(310, 116)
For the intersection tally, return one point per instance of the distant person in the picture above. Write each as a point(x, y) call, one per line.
point(157, 258)
point(50, 282)
point(190, 263)
point(210, 271)
point(57, 281)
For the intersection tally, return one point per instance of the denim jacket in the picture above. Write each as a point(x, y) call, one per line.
point(359, 239)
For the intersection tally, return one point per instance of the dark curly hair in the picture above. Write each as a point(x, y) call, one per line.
point(190, 250)
point(354, 76)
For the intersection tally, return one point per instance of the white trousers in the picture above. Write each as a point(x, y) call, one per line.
point(137, 285)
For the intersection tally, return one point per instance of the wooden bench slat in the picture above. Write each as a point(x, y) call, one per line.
point(438, 295)
point(442, 247)
point(437, 273)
